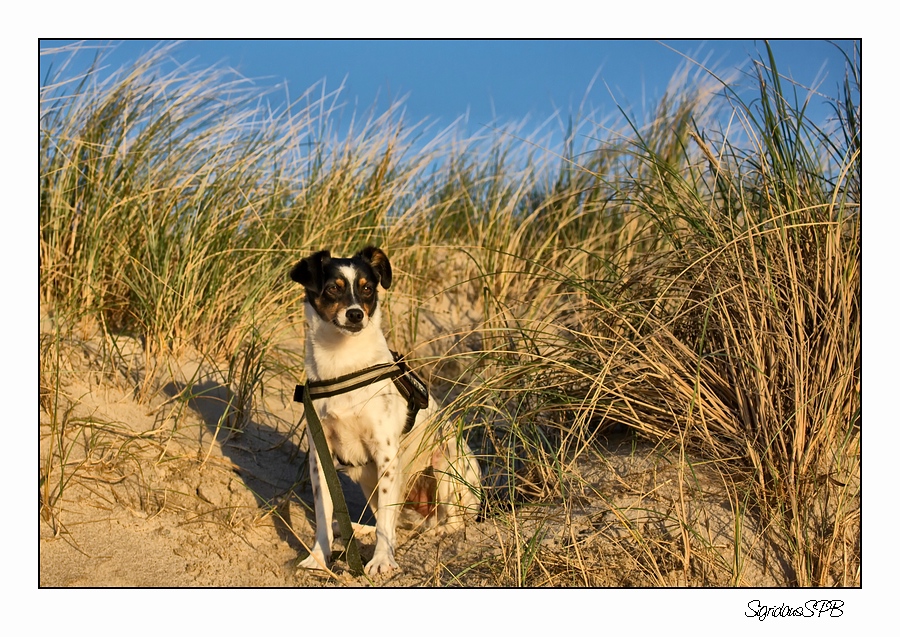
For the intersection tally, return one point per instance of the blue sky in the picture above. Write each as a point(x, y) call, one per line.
point(489, 81)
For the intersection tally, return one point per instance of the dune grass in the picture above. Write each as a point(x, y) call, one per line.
point(692, 280)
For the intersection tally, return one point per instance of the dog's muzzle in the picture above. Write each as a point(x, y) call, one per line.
point(354, 320)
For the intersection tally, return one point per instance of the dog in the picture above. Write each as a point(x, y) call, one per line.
point(424, 468)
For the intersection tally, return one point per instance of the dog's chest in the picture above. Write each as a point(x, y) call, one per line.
point(359, 423)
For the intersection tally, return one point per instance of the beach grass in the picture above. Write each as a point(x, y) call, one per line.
point(689, 280)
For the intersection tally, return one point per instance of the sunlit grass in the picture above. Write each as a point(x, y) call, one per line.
point(692, 280)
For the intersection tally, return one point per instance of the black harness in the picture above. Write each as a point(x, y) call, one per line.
point(411, 387)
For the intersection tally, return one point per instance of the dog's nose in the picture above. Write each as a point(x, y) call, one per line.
point(355, 315)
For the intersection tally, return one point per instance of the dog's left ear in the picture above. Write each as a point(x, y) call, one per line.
point(378, 260)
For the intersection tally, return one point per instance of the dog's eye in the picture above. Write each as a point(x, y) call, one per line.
point(332, 291)
point(368, 289)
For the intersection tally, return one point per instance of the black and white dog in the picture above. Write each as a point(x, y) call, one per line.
point(427, 468)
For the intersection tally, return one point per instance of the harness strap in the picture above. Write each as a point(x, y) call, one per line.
point(349, 382)
point(411, 387)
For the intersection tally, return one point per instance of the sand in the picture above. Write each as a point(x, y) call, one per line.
point(150, 505)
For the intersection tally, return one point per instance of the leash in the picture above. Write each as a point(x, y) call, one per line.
point(411, 387)
point(334, 486)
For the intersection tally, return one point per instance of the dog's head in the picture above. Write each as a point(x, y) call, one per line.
point(344, 292)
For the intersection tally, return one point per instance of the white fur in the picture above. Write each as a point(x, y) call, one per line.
point(365, 427)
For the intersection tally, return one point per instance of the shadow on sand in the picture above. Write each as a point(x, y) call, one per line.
point(268, 461)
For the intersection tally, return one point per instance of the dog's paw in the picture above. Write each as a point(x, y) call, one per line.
point(359, 530)
point(363, 530)
point(314, 562)
point(381, 563)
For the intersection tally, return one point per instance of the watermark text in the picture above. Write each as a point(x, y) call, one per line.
point(812, 608)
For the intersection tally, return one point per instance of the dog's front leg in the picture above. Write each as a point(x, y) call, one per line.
point(389, 486)
point(321, 553)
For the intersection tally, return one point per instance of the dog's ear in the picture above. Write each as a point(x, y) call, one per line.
point(376, 258)
point(308, 272)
